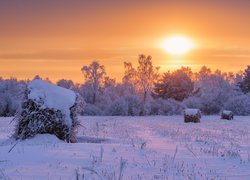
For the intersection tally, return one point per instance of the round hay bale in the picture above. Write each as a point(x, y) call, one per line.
point(228, 115)
point(48, 109)
point(192, 115)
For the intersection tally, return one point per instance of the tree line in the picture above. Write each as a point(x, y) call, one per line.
point(145, 91)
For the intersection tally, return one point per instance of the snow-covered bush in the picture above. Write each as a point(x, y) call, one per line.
point(118, 108)
point(11, 95)
point(48, 109)
point(239, 105)
point(130, 105)
point(206, 103)
point(192, 102)
point(164, 107)
point(134, 105)
point(212, 90)
point(91, 110)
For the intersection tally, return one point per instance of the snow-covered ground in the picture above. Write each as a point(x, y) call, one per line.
point(155, 147)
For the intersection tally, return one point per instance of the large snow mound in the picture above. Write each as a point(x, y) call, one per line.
point(51, 96)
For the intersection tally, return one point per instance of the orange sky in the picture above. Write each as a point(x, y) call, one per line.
point(56, 38)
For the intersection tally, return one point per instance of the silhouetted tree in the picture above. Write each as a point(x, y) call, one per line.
point(68, 84)
point(245, 84)
point(177, 85)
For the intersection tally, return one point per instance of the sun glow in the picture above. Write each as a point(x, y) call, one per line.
point(177, 45)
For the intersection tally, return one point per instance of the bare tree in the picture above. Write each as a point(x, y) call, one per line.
point(94, 75)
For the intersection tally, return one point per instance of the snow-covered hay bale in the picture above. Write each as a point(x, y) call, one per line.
point(192, 115)
point(227, 115)
point(49, 109)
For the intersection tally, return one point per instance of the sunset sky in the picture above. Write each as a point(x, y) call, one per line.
point(55, 38)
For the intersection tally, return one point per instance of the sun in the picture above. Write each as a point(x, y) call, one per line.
point(177, 45)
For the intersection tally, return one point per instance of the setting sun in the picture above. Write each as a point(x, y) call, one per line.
point(177, 45)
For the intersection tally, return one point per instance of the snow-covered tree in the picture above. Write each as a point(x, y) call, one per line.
point(177, 85)
point(143, 77)
point(212, 91)
point(147, 74)
point(94, 75)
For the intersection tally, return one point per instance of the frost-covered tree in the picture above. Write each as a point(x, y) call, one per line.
point(143, 77)
point(129, 80)
point(147, 74)
point(212, 91)
point(177, 85)
point(94, 75)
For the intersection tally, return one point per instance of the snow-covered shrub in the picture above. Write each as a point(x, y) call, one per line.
point(164, 107)
point(206, 103)
point(118, 108)
point(239, 105)
point(11, 95)
point(192, 102)
point(48, 109)
point(153, 107)
point(210, 106)
point(134, 105)
point(192, 115)
point(91, 110)
point(130, 105)
point(212, 90)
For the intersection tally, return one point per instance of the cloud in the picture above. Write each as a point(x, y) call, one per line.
point(59, 54)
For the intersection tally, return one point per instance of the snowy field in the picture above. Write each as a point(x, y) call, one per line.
point(156, 147)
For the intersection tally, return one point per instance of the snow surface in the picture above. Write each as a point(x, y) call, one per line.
point(155, 147)
point(52, 96)
point(227, 112)
point(192, 112)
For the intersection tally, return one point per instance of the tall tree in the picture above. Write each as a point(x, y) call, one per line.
point(94, 75)
point(142, 77)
